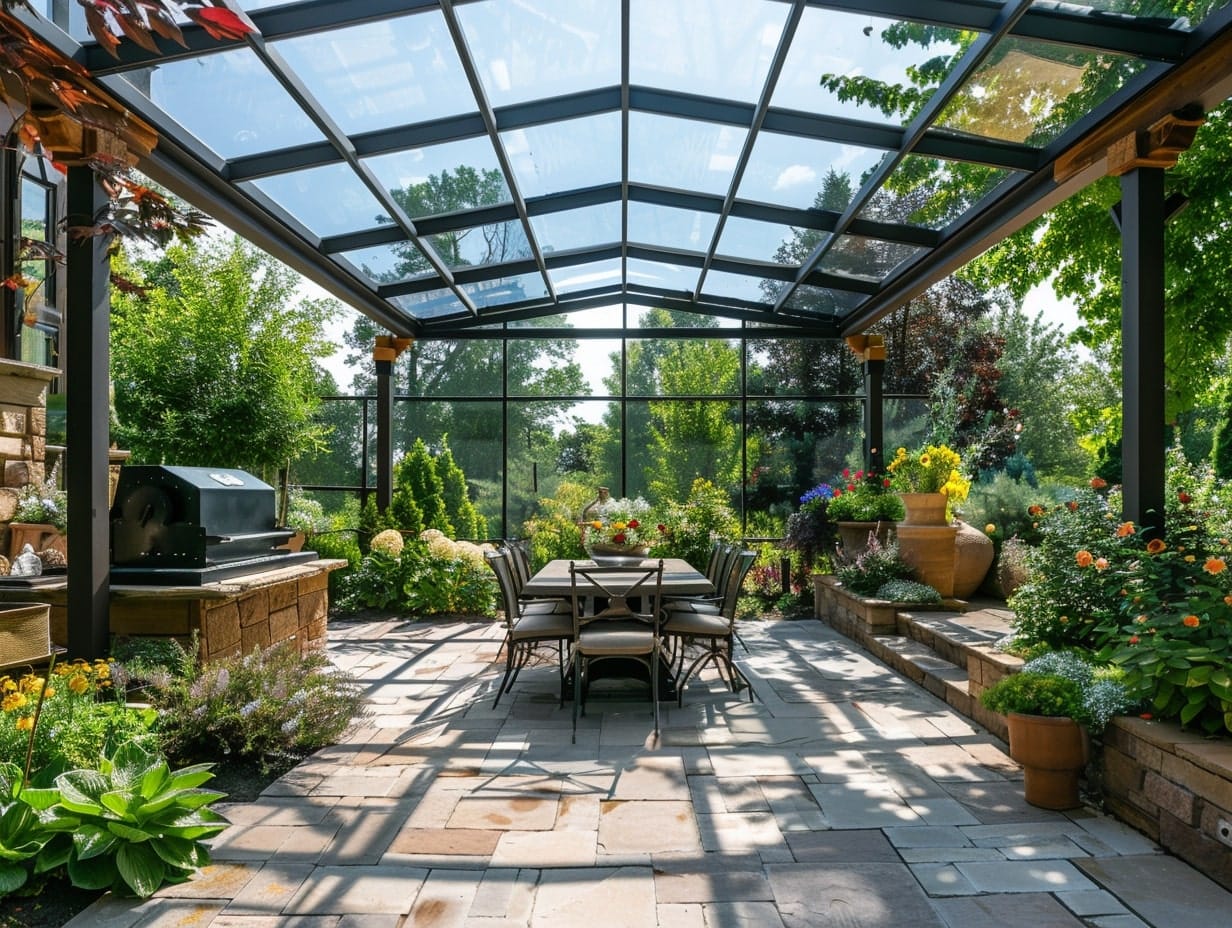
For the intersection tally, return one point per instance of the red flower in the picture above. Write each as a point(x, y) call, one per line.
point(619, 538)
point(851, 488)
point(1184, 497)
point(633, 523)
point(1133, 639)
point(886, 483)
point(859, 475)
point(846, 472)
point(1098, 483)
point(1072, 505)
point(1035, 510)
point(662, 528)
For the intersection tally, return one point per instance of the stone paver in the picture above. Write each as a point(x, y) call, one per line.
point(844, 797)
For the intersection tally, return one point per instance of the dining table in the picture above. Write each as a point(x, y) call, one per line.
point(680, 578)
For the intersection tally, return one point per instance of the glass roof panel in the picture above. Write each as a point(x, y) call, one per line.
point(716, 48)
point(542, 48)
point(442, 178)
point(931, 192)
point(489, 244)
point(328, 200)
point(685, 153)
point(245, 111)
point(432, 304)
point(755, 240)
point(566, 155)
point(724, 284)
point(383, 73)
point(578, 228)
point(830, 45)
point(671, 226)
point(663, 276)
point(822, 301)
point(387, 264)
point(502, 290)
point(1197, 11)
point(575, 277)
point(803, 173)
point(866, 257)
point(1028, 91)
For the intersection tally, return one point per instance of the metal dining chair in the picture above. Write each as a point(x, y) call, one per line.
point(617, 630)
point(714, 628)
point(528, 624)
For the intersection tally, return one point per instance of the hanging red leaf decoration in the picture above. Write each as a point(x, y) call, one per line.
point(219, 23)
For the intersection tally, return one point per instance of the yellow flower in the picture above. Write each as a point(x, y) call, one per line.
point(925, 459)
point(31, 684)
point(8, 684)
point(78, 684)
point(13, 701)
point(1189, 558)
point(25, 723)
point(620, 526)
point(990, 529)
point(51, 691)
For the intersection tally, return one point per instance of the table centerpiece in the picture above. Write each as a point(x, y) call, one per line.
point(619, 532)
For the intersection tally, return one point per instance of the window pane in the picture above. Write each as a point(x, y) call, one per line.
point(931, 192)
point(432, 304)
point(439, 179)
point(567, 155)
point(490, 244)
point(578, 228)
point(860, 256)
point(671, 443)
point(668, 151)
point(724, 284)
point(662, 276)
point(804, 173)
point(586, 276)
point(464, 368)
point(670, 226)
point(683, 367)
point(387, 264)
point(802, 367)
point(798, 445)
point(501, 290)
point(328, 200)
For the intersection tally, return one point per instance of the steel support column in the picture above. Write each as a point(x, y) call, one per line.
point(874, 427)
point(1142, 340)
point(87, 356)
point(384, 434)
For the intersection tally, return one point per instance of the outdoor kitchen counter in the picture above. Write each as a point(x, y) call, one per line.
point(230, 617)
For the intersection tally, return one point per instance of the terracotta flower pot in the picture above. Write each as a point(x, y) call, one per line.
point(1053, 752)
point(854, 535)
point(924, 508)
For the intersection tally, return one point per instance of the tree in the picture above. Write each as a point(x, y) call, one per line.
point(419, 495)
point(460, 511)
point(227, 347)
point(1221, 454)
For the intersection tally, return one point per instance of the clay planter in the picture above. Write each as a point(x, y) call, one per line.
point(854, 535)
point(1053, 752)
point(38, 535)
point(929, 549)
point(973, 555)
point(923, 508)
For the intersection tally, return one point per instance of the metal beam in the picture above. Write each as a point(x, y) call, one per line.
point(1143, 435)
point(87, 325)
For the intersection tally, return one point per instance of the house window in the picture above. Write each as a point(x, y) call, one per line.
point(36, 326)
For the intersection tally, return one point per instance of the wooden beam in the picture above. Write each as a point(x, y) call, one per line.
point(1198, 84)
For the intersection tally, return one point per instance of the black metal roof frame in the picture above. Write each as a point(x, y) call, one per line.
point(187, 167)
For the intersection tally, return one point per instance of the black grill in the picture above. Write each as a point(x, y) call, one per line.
point(185, 526)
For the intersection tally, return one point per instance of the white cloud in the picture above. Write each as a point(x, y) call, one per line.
point(794, 175)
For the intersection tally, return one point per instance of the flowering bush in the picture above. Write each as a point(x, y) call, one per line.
point(873, 568)
point(907, 591)
point(810, 530)
point(82, 717)
point(864, 497)
point(933, 469)
point(621, 522)
point(388, 542)
point(271, 706)
point(689, 530)
point(428, 575)
point(43, 502)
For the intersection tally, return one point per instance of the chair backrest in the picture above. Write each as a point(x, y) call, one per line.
point(618, 585)
point(499, 561)
point(717, 554)
point(723, 574)
point(739, 569)
point(519, 562)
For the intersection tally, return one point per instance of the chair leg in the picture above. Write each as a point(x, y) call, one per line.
point(654, 686)
point(577, 691)
point(505, 681)
point(561, 644)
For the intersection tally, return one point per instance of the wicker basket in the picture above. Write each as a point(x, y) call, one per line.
point(25, 632)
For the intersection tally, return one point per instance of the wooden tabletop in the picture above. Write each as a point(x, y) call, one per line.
point(679, 578)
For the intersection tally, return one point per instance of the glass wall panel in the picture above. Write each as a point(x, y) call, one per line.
point(670, 443)
point(904, 424)
point(475, 434)
point(683, 367)
point(640, 318)
point(796, 444)
point(340, 463)
point(459, 369)
point(802, 367)
point(544, 367)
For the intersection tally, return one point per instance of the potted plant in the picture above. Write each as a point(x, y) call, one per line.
point(306, 516)
point(1051, 706)
point(861, 505)
point(929, 481)
point(619, 531)
point(810, 530)
point(41, 517)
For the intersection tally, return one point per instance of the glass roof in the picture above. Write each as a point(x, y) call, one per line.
point(458, 163)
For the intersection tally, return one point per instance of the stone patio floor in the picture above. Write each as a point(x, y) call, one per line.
point(844, 796)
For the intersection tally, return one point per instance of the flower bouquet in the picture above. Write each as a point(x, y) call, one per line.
point(619, 531)
point(932, 469)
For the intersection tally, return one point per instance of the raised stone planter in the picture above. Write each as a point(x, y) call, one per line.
point(849, 613)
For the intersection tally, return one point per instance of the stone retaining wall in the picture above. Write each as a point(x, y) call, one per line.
point(1174, 786)
point(23, 430)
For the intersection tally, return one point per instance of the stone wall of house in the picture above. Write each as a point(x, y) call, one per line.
point(23, 432)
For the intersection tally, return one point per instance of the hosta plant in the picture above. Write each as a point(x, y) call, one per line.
point(139, 824)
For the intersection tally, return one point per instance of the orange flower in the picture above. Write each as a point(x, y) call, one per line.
point(1084, 558)
point(1072, 505)
point(1098, 483)
point(25, 723)
point(1101, 563)
point(1215, 565)
point(1155, 545)
point(1035, 510)
point(1191, 621)
point(1227, 600)
point(1125, 529)
point(1134, 639)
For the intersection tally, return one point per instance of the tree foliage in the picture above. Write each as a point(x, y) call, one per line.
point(217, 364)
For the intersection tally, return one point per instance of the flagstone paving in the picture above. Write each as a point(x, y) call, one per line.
point(844, 796)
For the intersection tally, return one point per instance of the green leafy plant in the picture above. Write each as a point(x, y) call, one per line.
point(1062, 683)
point(429, 575)
point(810, 530)
point(33, 838)
point(304, 513)
point(1035, 694)
point(139, 824)
point(553, 531)
point(270, 706)
point(873, 568)
point(43, 502)
point(907, 591)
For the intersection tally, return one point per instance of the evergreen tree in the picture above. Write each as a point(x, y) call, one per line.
point(1221, 454)
point(467, 521)
point(419, 492)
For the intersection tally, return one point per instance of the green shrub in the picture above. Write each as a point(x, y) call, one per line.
point(429, 577)
point(1005, 504)
point(1035, 694)
point(144, 658)
point(907, 591)
point(862, 497)
point(271, 706)
point(553, 530)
